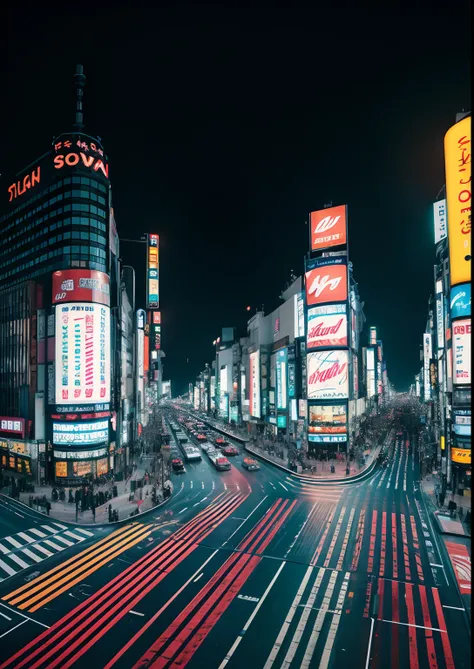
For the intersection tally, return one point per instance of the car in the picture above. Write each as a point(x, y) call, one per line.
point(220, 442)
point(178, 466)
point(206, 446)
point(250, 464)
point(222, 464)
point(230, 450)
point(201, 437)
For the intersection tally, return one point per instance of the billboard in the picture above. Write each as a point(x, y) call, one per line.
point(440, 221)
point(325, 421)
point(457, 157)
point(372, 336)
point(355, 376)
point(328, 227)
point(370, 368)
point(14, 426)
point(81, 285)
point(327, 326)
point(462, 352)
point(427, 355)
point(439, 315)
point(152, 272)
point(298, 315)
point(328, 375)
point(461, 455)
point(80, 434)
point(462, 422)
point(281, 378)
point(82, 353)
point(254, 384)
point(461, 301)
point(326, 281)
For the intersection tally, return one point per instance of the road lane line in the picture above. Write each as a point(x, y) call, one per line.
point(136, 613)
point(412, 645)
point(300, 530)
point(18, 560)
point(456, 608)
point(182, 510)
point(25, 537)
point(251, 618)
point(336, 619)
point(283, 486)
point(358, 540)
point(22, 615)
point(335, 536)
point(289, 617)
point(373, 532)
point(420, 627)
point(396, 618)
point(406, 558)
point(198, 577)
point(319, 548)
point(370, 643)
point(383, 545)
point(394, 547)
point(13, 628)
point(4, 616)
point(428, 629)
point(250, 514)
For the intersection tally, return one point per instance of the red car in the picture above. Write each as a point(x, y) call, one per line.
point(230, 450)
point(201, 437)
point(220, 442)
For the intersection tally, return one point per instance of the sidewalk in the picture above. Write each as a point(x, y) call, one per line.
point(142, 498)
point(446, 523)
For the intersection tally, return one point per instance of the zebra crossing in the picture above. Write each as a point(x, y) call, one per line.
point(30, 547)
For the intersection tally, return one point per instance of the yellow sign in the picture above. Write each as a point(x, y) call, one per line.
point(442, 443)
point(461, 455)
point(457, 157)
point(61, 469)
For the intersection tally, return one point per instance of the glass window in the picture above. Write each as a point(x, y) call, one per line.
point(102, 188)
point(68, 193)
point(53, 200)
point(94, 237)
point(93, 196)
point(67, 207)
point(84, 235)
point(84, 220)
point(85, 182)
point(67, 180)
point(101, 200)
point(76, 180)
point(67, 235)
point(53, 226)
point(93, 209)
point(76, 249)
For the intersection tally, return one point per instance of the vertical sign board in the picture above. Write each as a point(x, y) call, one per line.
point(462, 352)
point(152, 272)
point(457, 155)
point(373, 336)
point(254, 385)
point(328, 228)
point(439, 315)
point(427, 355)
point(440, 221)
point(281, 378)
point(370, 370)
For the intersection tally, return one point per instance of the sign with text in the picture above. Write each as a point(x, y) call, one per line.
point(328, 375)
point(81, 285)
point(326, 281)
point(328, 227)
point(462, 352)
point(327, 326)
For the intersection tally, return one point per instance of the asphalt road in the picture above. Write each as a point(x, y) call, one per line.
point(248, 569)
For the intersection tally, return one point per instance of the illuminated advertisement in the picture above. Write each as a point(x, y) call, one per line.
point(153, 264)
point(461, 301)
point(328, 375)
point(80, 434)
point(73, 152)
point(299, 315)
point(457, 155)
point(327, 420)
point(439, 315)
point(440, 221)
point(326, 281)
point(372, 336)
point(427, 355)
point(224, 406)
point(327, 326)
point(21, 187)
point(281, 380)
point(80, 455)
point(156, 317)
point(82, 353)
point(355, 376)
point(462, 352)
point(15, 426)
point(462, 422)
point(254, 384)
point(370, 372)
point(196, 398)
point(213, 392)
point(81, 285)
point(328, 227)
point(461, 455)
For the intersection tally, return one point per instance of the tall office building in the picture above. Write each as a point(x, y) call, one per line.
point(58, 311)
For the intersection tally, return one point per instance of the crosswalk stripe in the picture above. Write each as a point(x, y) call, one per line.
point(62, 527)
point(26, 537)
point(5, 567)
point(73, 536)
point(18, 560)
point(53, 545)
point(86, 532)
point(63, 540)
point(41, 549)
point(4, 549)
point(38, 532)
point(14, 542)
point(48, 527)
point(30, 554)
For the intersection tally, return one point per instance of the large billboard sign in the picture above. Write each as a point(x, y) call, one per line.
point(440, 221)
point(327, 326)
point(461, 301)
point(462, 352)
point(439, 315)
point(80, 434)
point(328, 375)
point(427, 355)
point(254, 384)
point(372, 336)
point(328, 228)
point(81, 285)
point(281, 378)
point(82, 353)
point(326, 281)
point(370, 371)
point(76, 152)
point(152, 272)
point(457, 156)
point(327, 420)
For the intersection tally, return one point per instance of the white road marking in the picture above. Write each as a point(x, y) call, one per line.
point(235, 531)
point(252, 616)
point(72, 535)
point(51, 529)
point(198, 577)
point(38, 532)
point(22, 615)
point(318, 623)
point(4, 616)
point(26, 537)
point(18, 560)
point(65, 541)
point(136, 613)
point(13, 628)
point(31, 555)
point(86, 532)
point(191, 484)
point(283, 486)
point(432, 564)
point(53, 545)
point(43, 550)
point(202, 484)
point(18, 514)
point(182, 510)
point(301, 529)
point(61, 527)
point(421, 627)
point(456, 608)
point(14, 542)
point(331, 635)
point(372, 621)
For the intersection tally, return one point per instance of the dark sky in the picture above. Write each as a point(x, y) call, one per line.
point(224, 127)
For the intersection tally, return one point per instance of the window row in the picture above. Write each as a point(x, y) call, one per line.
point(75, 234)
point(92, 255)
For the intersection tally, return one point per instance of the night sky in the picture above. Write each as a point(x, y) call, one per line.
point(224, 128)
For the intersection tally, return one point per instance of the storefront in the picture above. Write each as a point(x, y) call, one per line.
point(15, 456)
point(74, 467)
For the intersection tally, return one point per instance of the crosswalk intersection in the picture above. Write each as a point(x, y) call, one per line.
point(30, 547)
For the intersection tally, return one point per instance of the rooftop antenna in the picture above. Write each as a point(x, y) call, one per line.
point(79, 82)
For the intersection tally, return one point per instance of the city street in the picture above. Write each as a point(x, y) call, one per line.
point(250, 569)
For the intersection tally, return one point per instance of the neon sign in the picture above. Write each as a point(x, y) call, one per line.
point(29, 181)
point(72, 159)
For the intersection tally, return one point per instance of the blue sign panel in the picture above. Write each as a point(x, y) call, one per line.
point(460, 302)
